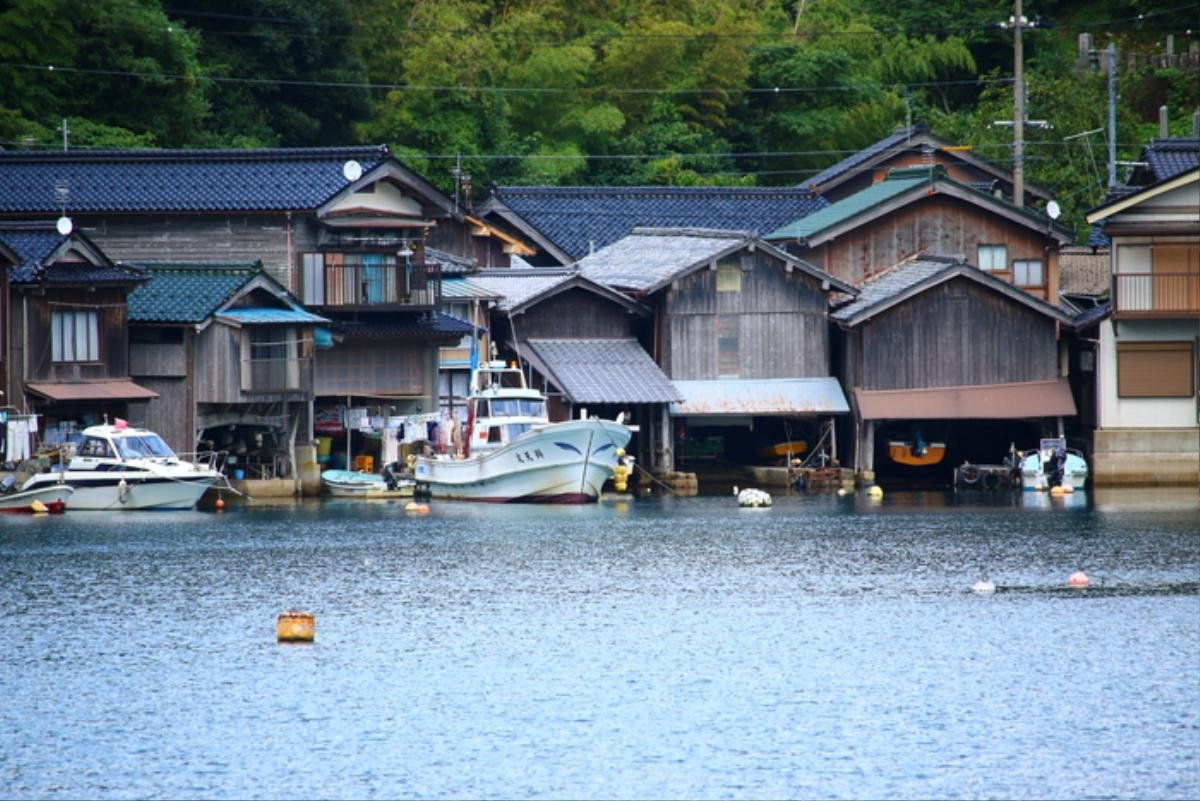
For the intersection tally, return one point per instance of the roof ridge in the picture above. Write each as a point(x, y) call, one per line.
point(194, 154)
point(646, 189)
point(704, 233)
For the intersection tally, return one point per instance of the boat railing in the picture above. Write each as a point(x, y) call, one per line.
point(209, 460)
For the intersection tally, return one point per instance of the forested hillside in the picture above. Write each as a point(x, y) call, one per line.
point(593, 91)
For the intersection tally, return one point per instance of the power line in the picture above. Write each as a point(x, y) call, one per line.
point(762, 90)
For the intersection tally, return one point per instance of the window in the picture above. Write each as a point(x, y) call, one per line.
point(75, 336)
point(993, 257)
point(729, 278)
point(95, 448)
point(1028, 272)
point(1155, 370)
point(728, 347)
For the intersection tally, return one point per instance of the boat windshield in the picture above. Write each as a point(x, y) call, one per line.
point(143, 446)
point(517, 407)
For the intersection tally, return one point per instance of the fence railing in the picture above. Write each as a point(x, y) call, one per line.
point(1156, 294)
point(386, 284)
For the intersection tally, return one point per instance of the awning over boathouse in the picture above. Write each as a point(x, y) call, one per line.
point(759, 397)
point(985, 402)
point(601, 370)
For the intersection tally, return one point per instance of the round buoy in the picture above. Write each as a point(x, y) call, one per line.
point(411, 506)
point(1058, 490)
point(295, 626)
point(1078, 579)
point(38, 508)
point(842, 491)
point(983, 587)
point(422, 508)
point(875, 491)
point(220, 504)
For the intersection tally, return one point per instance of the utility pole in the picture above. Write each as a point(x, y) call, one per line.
point(1018, 109)
point(66, 129)
point(1112, 114)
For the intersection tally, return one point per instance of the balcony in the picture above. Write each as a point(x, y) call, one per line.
point(1156, 295)
point(356, 282)
point(275, 376)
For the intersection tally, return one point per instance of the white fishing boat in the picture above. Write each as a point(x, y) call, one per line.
point(357, 484)
point(126, 468)
point(1051, 465)
point(52, 499)
point(513, 453)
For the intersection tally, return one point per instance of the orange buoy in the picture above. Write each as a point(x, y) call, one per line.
point(220, 504)
point(295, 626)
point(1078, 579)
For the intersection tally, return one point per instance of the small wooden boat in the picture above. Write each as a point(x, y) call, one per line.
point(52, 499)
point(373, 486)
point(783, 449)
point(916, 454)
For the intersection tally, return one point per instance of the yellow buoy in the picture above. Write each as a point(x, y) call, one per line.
point(38, 508)
point(295, 626)
point(1057, 490)
point(875, 491)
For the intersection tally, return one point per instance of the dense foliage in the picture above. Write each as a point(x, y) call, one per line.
point(591, 91)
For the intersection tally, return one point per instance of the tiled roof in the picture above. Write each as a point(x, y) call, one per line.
point(516, 286)
point(1083, 272)
point(649, 258)
point(178, 180)
point(1170, 157)
point(414, 325)
point(1096, 238)
point(911, 277)
point(186, 293)
point(36, 242)
point(603, 370)
point(462, 288)
point(894, 139)
point(581, 219)
point(450, 263)
point(896, 184)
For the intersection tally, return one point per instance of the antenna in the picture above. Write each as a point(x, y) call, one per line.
point(62, 191)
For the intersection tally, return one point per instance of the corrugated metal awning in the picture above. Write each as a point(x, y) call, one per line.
point(776, 396)
point(986, 402)
point(601, 370)
point(91, 390)
point(246, 315)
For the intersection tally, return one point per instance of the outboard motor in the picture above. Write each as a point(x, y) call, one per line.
point(389, 474)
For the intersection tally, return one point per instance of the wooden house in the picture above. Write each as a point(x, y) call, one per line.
point(229, 353)
point(917, 146)
point(66, 337)
point(934, 350)
point(739, 326)
point(922, 210)
point(1147, 362)
point(567, 223)
point(579, 340)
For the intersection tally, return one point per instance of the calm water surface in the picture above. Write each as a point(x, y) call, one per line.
point(658, 649)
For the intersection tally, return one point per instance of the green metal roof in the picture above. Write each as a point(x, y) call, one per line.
point(261, 315)
point(186, 293)
point(899, 182)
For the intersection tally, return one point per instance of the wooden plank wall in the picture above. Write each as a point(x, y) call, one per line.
point(219, 365)
point(782, 323)
point(158, 359)
point(376, 367)
point(938, 225)
point(575, 314)
point(169, 415)
point(114, 335)
point(957, 334)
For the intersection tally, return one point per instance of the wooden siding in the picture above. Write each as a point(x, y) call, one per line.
point(781, 323)
point(169, 415)
point(376, 367)
point(113, 335)
point(956, 334)
point(575, 314)
point(218, 365)
point(940, 225)
point(166, 360)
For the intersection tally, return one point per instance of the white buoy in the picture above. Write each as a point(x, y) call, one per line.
point(755, 498)
point(875, 491)
point(983, 587)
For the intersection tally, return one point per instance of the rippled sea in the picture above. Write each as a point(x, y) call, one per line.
point(826, 647)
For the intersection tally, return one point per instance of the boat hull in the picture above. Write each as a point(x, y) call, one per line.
point(903, 452)
point(101, 490)
point(557, 463)
point(54, 498)
point(1035, 479)
point(349, 484)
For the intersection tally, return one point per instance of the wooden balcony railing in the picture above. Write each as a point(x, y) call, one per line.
point(1156, 294)
point(355, 283)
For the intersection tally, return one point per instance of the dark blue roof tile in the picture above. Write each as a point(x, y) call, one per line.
point(1170, 157)
point(177, 180)
point(583, 219)
point(35, 243)
point(415, 325)
point(888, 142)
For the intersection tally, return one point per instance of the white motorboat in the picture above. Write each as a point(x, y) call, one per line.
point(1051, 465)
point(513, 453)
point(356, 484)
point(122, 467)
point(52, 499)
